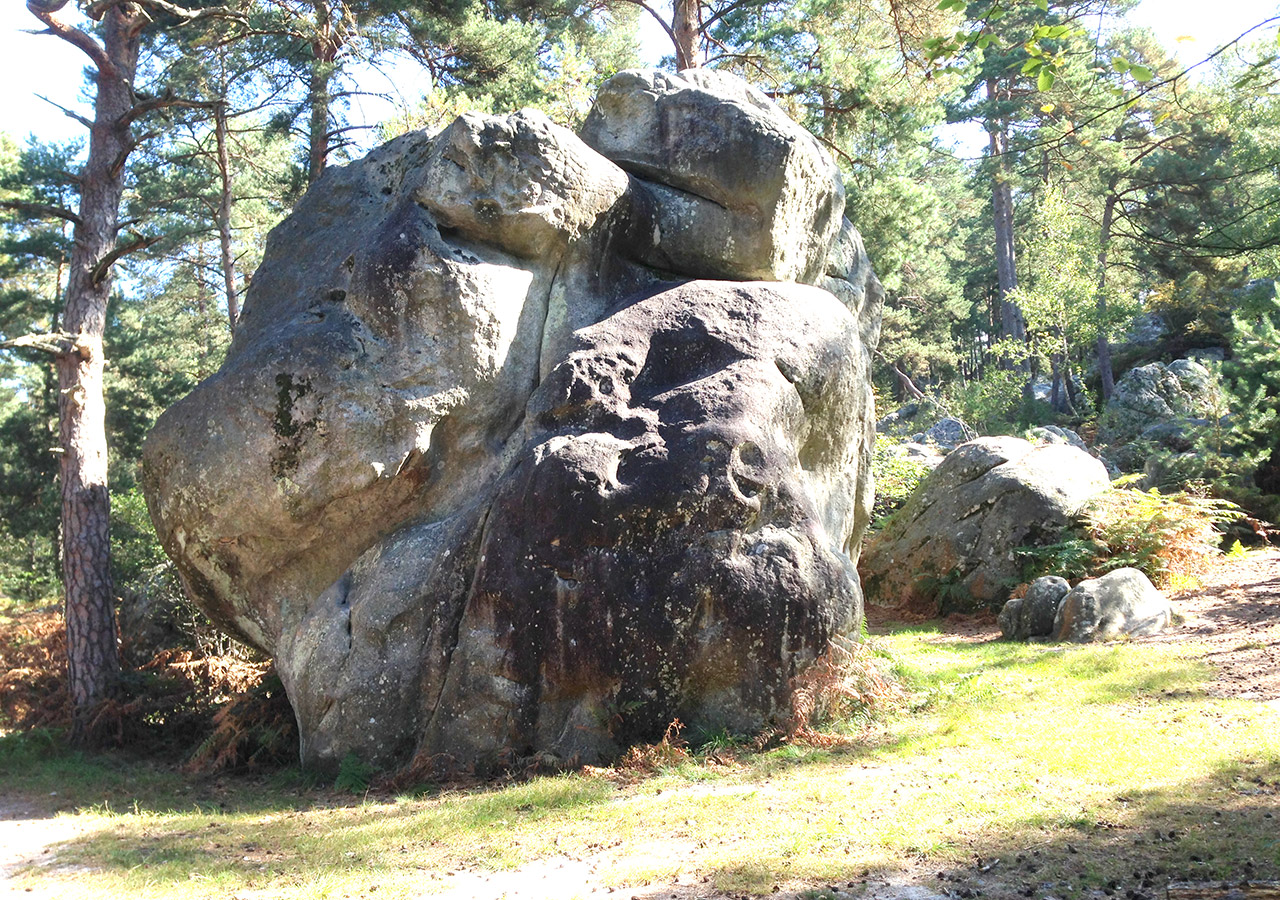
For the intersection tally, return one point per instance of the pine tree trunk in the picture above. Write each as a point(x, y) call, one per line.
point(224, 217)
point(1013, 325)
point(1104, 348)
point(93, 660)
point(684, 25)
point(323, 54)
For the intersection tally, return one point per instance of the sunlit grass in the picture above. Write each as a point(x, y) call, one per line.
point(1083, 754)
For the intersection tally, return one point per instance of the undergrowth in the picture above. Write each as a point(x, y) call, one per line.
point(848, 687)
point(1172, 538)
point(213, 712)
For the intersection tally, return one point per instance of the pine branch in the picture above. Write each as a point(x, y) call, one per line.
point(46, 10)
point(103, 266)
point(41, 209)
point(100, 8)
point(57, 343)
point(166, 102)
point(70, 114)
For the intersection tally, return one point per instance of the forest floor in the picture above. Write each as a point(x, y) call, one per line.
point(1234, 613)
point(1120, 843)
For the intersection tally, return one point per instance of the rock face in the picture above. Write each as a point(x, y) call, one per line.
point(1119, 604)
point(1155, 403)
point(490, 473)
point(953, 545)
point(1033, 615)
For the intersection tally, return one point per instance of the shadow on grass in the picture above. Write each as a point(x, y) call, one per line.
point(1224, 824)
point(1222, 827)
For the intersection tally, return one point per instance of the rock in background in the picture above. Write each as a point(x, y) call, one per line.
point(1157, 405)
point(953, 545)
point(490, 473)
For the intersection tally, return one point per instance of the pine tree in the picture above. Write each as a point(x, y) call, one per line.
point(113, 43)
point(1254, 390)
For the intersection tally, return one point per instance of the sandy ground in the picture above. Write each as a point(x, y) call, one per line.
point(1236, 614)
point(30, 836)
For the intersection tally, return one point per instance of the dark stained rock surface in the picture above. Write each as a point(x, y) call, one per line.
point(490, 473)
point(1032, 616)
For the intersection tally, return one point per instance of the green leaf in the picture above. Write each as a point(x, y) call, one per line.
point(1045, 80)
point(1031, 65)
point(1140, 73)
point(1043, 4)
point(1120, 64)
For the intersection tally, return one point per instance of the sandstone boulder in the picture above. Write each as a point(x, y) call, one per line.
point(946, 434)
point(1053, 434)
point(769, 209)
point(1033, 615)
point(1123, 603)
point(1153, 402)
point(489, 476)
point(954, 544)
point(910, 418)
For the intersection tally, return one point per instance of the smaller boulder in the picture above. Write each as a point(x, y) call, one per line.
point(1146, 329)
point(1181, 393)
point(1178, 437)
point(1123, 603)
point(947, 434)
point(924, 454)
point(1052, 434)
point(1033, 616)
point(910, 418)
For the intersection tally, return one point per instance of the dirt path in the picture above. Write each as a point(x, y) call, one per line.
point(29, 835)
point(1237, 614)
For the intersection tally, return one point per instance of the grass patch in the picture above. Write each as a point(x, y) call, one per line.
point(1010, 765)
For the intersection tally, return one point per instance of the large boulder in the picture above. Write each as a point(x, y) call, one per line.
point(1155, 404)
point(1122, 603)
point(489, 471)
point(954, 544)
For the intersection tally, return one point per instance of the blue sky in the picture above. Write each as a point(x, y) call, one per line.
point(31, 65)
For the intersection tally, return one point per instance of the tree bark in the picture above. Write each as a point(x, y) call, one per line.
point(1104, 347)
point(224, 217)
point(93, 660)
point(324, 51)
point(684, 28)
point(1013, 324)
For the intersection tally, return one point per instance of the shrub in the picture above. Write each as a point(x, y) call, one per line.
point(897, 477)
point(848, 685)
point(1169, 537)
point(667, 753)
point(254, 728)
point(353, 775)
